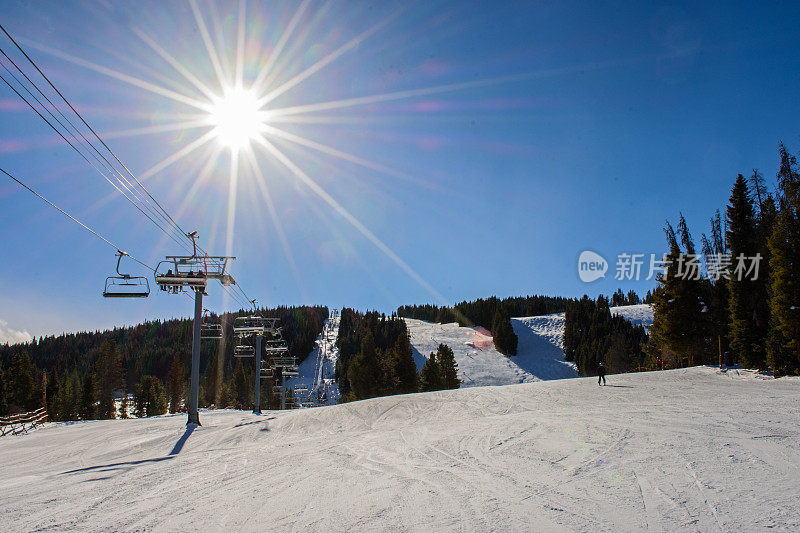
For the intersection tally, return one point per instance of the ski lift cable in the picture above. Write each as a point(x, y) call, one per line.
point(246, 297)
point(235, 297)
point(87, 160)
point(166, 213)
point(105, 165)
point(87, 228)
point(108, 164)
point(133, 193)
point(111, 170)
point(172, 220)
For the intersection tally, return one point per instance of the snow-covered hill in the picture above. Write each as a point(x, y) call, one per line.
point(539, 356)
point(540, 350)
point(641, 314)
point(563, 455)
point(476, 367)
point(540, 353)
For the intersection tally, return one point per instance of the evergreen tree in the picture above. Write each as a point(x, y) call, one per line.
point(123, 406)
point(744, 338)
point(632, 298)
point(175, 385)
point(448, 368)
point(225, 397)
point(678, 321)
point(618, 298)
point(150, 398)
point(21, 388)
point(52, 396)
point(88, 402)
point(783, 346)
point(431, 376)
point(240, 388)
point(3, 401)
point(69, 397)
point(211, 380)
point(716, 286)
point(109, 372)
point(402, 375)
point(759, 188)
point(364, 372)
point(505, 340)
point(148, 349)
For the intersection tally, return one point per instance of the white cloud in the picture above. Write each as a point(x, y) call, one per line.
point(12, 336)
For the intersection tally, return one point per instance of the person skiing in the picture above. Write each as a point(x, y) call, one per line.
point(601, 373)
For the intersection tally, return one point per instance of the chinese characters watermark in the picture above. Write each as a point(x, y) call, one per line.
point(637, 266)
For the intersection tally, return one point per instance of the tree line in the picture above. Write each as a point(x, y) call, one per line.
point(593, 335)
point(86, 371)
point(376, 359)
point(751, 320)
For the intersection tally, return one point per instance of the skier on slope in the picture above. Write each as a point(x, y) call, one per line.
point(601, 373)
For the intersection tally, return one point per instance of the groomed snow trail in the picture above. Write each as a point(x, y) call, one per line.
point(681, 450)
point(476, 367)
point(641, 315)
point(540, 355)
point(326, 347)
point(540, 347)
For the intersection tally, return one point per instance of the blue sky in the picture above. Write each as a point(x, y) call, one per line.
point(551, 128)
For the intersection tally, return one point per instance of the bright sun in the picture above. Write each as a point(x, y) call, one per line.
point(236, 117)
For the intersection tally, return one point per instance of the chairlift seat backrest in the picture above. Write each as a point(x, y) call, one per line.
point(126, 287)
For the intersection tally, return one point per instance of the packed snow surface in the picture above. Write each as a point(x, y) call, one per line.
point(680, 450)
point(539, 356)
point(641, 315)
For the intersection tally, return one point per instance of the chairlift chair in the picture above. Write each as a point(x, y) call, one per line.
point(244, 350)
point(181, 277)
point(210, 329)
point(283, 361)
point(246, 325)
point(125, 285)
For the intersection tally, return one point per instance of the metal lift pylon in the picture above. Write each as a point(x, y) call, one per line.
point(193, 272)
point(246, 327)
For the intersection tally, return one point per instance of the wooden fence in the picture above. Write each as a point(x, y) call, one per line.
point(18, 424)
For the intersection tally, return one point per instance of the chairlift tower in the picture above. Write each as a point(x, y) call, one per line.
point(279, 360)
point(192, 273)
point(249, 327)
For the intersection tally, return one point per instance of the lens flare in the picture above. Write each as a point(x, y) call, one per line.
point(236, 117)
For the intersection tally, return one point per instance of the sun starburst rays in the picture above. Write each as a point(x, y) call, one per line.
point(235, 108)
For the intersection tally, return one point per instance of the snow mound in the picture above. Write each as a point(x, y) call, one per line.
point(641, 315)
point(563, 455)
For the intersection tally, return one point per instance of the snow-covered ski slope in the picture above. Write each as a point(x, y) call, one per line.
point(540, 352)
point(476, 367)
point(681, 450)
point(326, 349)
point(641, 314)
